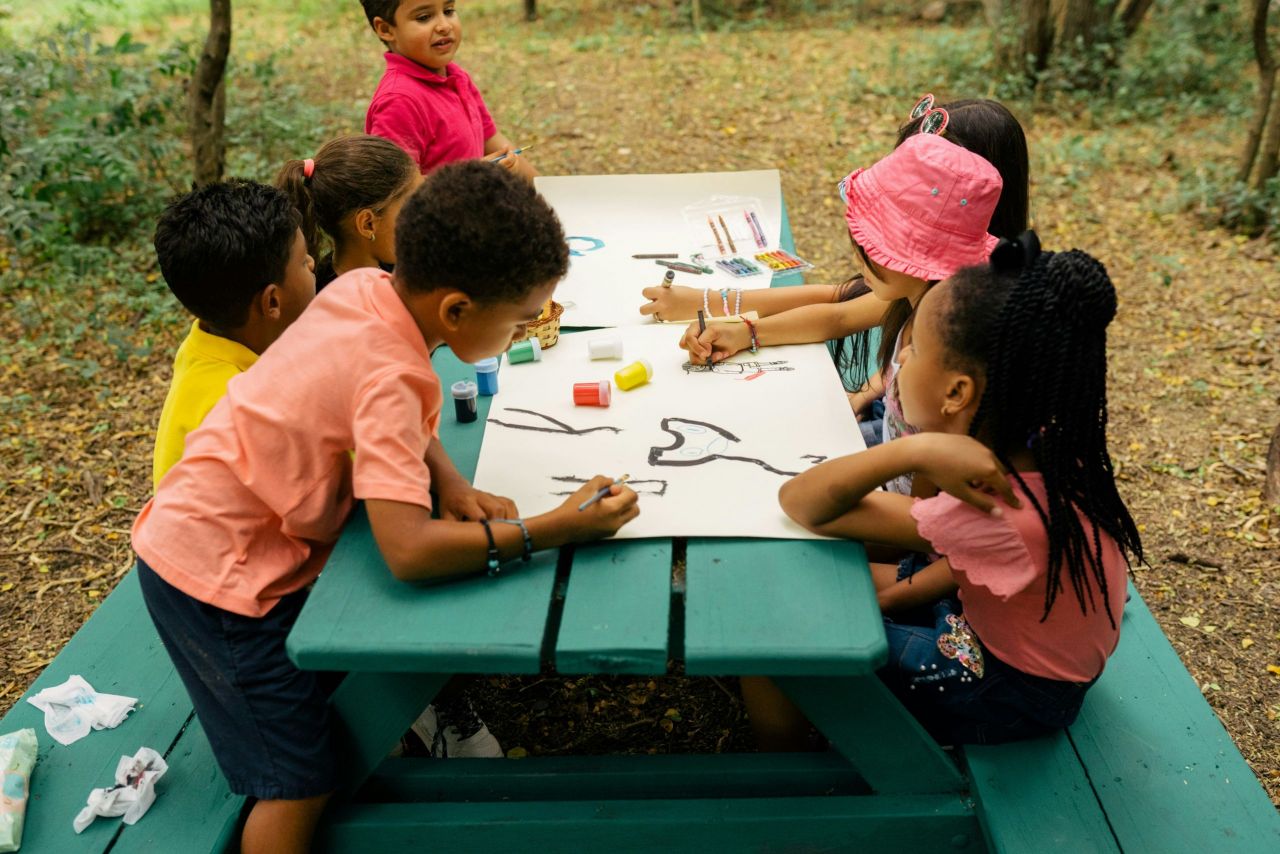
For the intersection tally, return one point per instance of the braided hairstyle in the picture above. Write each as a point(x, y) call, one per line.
point(1035, 326)
point(991, 131)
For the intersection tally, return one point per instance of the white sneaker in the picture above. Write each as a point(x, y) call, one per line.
point(454, 731)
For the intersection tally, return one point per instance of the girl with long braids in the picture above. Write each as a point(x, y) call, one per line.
point(1006, 378)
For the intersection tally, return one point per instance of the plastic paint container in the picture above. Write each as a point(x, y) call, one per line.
point(487, 376)
point(464, 400)
point(593, 394)
point(634, 375)
point(528, 350)
point(605, 348)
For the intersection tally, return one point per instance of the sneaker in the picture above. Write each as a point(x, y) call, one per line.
point(453, 730)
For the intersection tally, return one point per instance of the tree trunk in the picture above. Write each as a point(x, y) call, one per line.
point(695, 8)
point(209, 97)
point(1271, 486)
point(1131, 16)
point(1269, 151)
point(1084, 20)
point(531, 10)
point(1266, 88)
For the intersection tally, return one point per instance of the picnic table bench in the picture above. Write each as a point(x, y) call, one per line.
point(1146, 768)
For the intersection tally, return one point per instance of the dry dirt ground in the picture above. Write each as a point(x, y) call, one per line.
point(1194, 381)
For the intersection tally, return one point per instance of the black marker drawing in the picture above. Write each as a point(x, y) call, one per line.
point(643, 487)
point(736, 368)
point(814, 458)
point(560, 426)
point(697, 442)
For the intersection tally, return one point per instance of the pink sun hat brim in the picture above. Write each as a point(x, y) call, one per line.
point(924, 210)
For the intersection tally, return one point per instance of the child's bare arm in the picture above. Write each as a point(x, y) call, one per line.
point(419, 548)
point(682, 303)
point(804, 325)
point(458, 499)
point(837, 498)
point(928, 585)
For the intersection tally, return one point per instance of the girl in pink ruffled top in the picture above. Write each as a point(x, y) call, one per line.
point(1005, 377)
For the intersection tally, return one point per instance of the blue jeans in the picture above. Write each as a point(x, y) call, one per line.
point(873, 426)
point(962, 693)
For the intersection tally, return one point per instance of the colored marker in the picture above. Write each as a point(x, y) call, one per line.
point(716, 235)
point(727, 235)
point(759, 231)
point(702, 327)
point(602, 492)
point(502, 157)
point(652, 255)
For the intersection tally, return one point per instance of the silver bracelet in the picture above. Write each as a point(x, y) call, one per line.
point(528, 541)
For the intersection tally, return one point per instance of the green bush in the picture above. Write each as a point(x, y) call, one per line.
point(91, 138)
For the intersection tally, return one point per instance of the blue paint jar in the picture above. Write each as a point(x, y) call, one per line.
point(464, 400)
point(487, 376)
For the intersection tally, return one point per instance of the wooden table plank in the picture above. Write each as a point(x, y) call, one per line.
point(781, 607)
point(616, 609)
point(359, 617)
point(1195, 794)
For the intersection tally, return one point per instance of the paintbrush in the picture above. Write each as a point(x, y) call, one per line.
point(502, 157)
point(602, 492)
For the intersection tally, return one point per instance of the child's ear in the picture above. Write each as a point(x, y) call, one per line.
point(384, 30)
point(269, 302)
point(453, 308)
point(364, 222)
point(962, 394)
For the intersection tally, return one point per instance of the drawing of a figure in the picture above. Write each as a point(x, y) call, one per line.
point(552, 425)
point(736, 368)
point(698, 442)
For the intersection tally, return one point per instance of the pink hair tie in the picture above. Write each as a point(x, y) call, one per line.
point(308, 167)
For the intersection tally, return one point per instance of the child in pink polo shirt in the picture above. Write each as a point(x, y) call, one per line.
point(1006, 378)
point(244, 522)
point(425, 102)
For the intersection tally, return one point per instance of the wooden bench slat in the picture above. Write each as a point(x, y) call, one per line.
point(804, 628)
point(1166, 772)
point(550, 778)
point(420, 628)
point(1035, 796)
point(616, 609)
point(907, 823)
point(117, 651)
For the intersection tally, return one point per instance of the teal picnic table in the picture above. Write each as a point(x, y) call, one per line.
point(802, 611)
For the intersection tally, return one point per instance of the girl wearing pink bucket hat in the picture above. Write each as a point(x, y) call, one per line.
point(914, 218)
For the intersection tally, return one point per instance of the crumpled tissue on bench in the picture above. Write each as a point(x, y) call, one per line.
point(73, 708)
point(132, 795)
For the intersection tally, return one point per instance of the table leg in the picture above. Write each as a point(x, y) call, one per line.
point(371, 713)
point(867, 725)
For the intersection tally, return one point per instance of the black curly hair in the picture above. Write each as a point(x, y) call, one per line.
point(1034, 325)
point(991, 131)
point(220, 245)
point(475, 226)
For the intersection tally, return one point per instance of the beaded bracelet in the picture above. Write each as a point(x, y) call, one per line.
point(493, 563)
point(528, 541)
point(751, 328)
point(706, 305)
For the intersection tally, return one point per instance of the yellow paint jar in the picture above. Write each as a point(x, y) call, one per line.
point(634, 375)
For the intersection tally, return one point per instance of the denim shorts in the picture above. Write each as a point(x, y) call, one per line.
point(963, 694)
point(267, 721)
point(873, 426)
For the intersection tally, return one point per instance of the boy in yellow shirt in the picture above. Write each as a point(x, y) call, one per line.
point(233, 254)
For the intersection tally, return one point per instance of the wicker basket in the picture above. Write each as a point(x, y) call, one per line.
point(546, 329)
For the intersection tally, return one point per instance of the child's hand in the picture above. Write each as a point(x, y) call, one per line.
point(514, 163)
point(604, 517)
point(965, 468)
point(673, 303)
point(463, 502)
point(718, 342)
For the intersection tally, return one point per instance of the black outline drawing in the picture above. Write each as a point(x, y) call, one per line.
point(724, 368)
point(724, 434)
point(658, 491)
point(565, 429)
point(814, 458)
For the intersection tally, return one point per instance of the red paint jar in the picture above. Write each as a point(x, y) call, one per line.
point(593, 394)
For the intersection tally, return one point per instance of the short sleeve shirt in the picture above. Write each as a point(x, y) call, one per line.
point(436, 119)
point(250, 512)
point(202, 367)
point(1001, 565)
